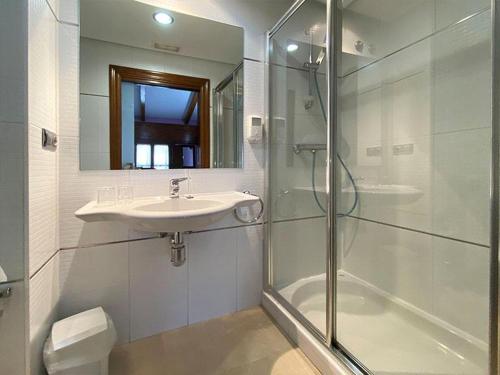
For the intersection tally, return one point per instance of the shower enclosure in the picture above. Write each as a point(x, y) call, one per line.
point(228, 121)
point(382, 181)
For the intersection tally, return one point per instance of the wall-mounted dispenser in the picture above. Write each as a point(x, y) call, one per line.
point(256, 125)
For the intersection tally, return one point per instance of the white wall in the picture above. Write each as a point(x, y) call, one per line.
point(13, 36)
point(226, 248)
point(223, 272)
point(70, 262)
point(96, 56)
point(434, 95)
point(255, 16)
point(43, 112)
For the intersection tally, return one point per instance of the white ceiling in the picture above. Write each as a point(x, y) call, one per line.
point(384, 10)
point(131, 23)
point(166, 105)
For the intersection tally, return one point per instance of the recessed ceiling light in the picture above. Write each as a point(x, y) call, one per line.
point(292, 47)
point(163, 18)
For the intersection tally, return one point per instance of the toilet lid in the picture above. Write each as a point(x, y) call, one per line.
point(78, 327)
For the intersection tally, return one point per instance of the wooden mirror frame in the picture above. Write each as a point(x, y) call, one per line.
point(119, 74)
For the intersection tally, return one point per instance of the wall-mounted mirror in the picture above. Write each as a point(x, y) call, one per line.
point(158, 89)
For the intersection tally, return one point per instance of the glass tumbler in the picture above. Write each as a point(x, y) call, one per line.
point(106, 196)
point(125, 194)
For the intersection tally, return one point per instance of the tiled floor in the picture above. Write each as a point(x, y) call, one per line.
point(243, 343)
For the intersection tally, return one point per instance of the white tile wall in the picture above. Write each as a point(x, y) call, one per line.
point(42, 113)
point(12, 199)
point(145, 295)
point(449, 11)
point(249, 271)
point(13, 102)
point(43, 221)
point(12, 68)
point(135, 281)
point(299, 250)
point(68, 86)
point(43, 306)
point(68, 11)
point(461, 286)
point(158, 290)
point(78, 188)
point(445, 278)
point(97, 276)
point(42, 67)
point(434, 95)
point(256, 20)
point(397, 261)
point(212, 260)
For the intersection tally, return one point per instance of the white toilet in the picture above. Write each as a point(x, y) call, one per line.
point(80, 344)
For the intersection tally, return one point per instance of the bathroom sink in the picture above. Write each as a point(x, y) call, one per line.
point(181, 204)
point(168, 215)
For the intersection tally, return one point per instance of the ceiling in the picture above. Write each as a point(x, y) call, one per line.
point(164, 104)
point(383, 10)
point(131, 23)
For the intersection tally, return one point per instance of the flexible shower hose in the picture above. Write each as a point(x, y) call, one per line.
point(348, 172)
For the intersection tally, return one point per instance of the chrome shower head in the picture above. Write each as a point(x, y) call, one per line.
point(321, 57)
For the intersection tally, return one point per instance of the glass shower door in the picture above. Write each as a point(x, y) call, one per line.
point(412, 285)
point(228, 121)
point(297, 164)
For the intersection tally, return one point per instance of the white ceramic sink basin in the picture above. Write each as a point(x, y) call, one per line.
point(167, 215)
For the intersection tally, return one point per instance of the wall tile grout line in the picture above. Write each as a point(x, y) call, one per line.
point(98, 95)
point(153, 237)
point(58, 19)
point(44, 264)
point(420, 231)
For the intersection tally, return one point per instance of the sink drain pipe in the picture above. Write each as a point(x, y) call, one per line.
point(177, 248)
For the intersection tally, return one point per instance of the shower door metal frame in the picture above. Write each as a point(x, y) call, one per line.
point(334, 48)
point(268, 271)
point(495, 192)
point(218, 109)
point(328, 340)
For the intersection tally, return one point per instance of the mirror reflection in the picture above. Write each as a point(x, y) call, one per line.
point(157, 89)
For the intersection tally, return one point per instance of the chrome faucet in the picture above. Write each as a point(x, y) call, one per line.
point(174, 186)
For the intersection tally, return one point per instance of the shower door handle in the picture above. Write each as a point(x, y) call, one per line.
point(5, 293)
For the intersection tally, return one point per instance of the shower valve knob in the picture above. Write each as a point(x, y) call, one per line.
point(359, 45)
point(5, 293)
